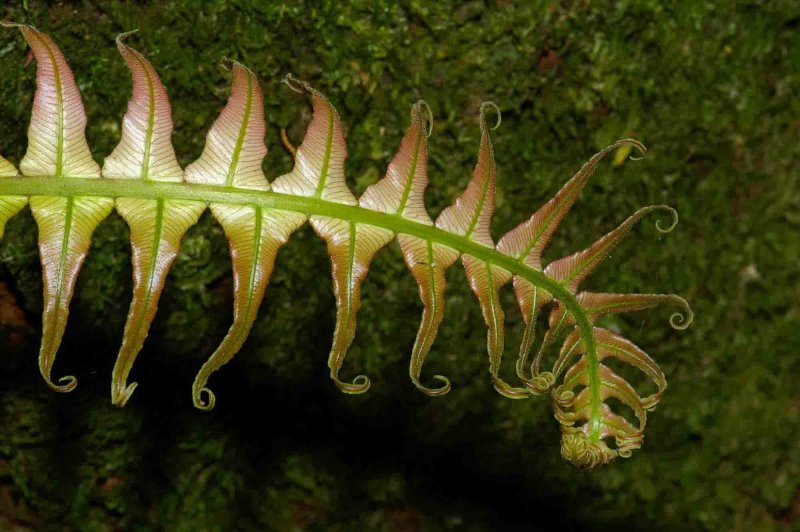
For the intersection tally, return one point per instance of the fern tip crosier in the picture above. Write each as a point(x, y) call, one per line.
point(70, 194)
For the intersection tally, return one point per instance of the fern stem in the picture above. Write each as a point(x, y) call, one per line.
point(134, 188)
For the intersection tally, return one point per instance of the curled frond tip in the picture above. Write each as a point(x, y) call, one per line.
point(636, 144)
point(584, 454)
point(124, 35)
point(490, 105)
point(444, 389)
point(681, 320)
point(419, 106)
point(511, 392)
point(67, 383)
point(297, 85)
point(120, 397)
point(359, 385)
point(672, 225)
point(207, 404)
point(539, 384)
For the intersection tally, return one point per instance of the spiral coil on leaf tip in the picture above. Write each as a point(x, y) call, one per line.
point(124, 35)
point(564, 417)
point(539, 384)
point(419, 106)
point(564, 398)
point(434, 392)
point(627, 443)
point(70, 382)
point(121, 394)
point(506, 390)
point(490, 105)
point(674, 223)
point(597, 157)
point(678, 320)
point(650, 402)
point(228, 63)
point(583, 454)
point(360, 384)
point(639, 147)
point(206, 405)
point(297, 85)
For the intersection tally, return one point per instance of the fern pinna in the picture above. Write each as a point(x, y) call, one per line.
point(69, 195)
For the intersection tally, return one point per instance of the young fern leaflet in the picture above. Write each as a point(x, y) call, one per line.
point(70, 195)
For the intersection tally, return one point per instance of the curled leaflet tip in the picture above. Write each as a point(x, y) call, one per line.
point(641, 148)
point(206, 405)
point(297, 85)
point(422, 104)
point(69, 383)
point(506, 390)
point(490, 105)
point(674, 223)
point(121, 394)
point(124, 35)
point(434, 392)
point(359, 385)
point(682, 320)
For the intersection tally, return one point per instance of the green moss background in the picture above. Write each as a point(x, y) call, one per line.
point(710, 87)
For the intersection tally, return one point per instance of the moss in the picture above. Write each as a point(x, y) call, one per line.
point(709, 87)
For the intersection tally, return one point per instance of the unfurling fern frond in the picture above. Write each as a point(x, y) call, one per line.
point(70, 195)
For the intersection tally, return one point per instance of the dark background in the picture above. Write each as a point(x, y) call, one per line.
point(710, 87)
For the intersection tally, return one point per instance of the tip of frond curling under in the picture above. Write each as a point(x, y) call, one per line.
point(359, 385)
point(511, 392)
point(540, 384)
point(627, 443)
point(120, 395)
point(583, 454)
point(632, 142)
point(444, 389)
point(119, 39)
point(227, 63)
point(681, 320)
point(563, 398)
point(69, 383)
point(650, 402)
point(206, 405)
point(490, 105)
point(674, 223)
point(297, 85)
point(597, 157)
point(419, 106)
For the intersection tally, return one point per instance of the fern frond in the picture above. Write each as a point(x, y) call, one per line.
point(232, 158)
point(69, 196)
point(57, 148)
point(145, 153)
